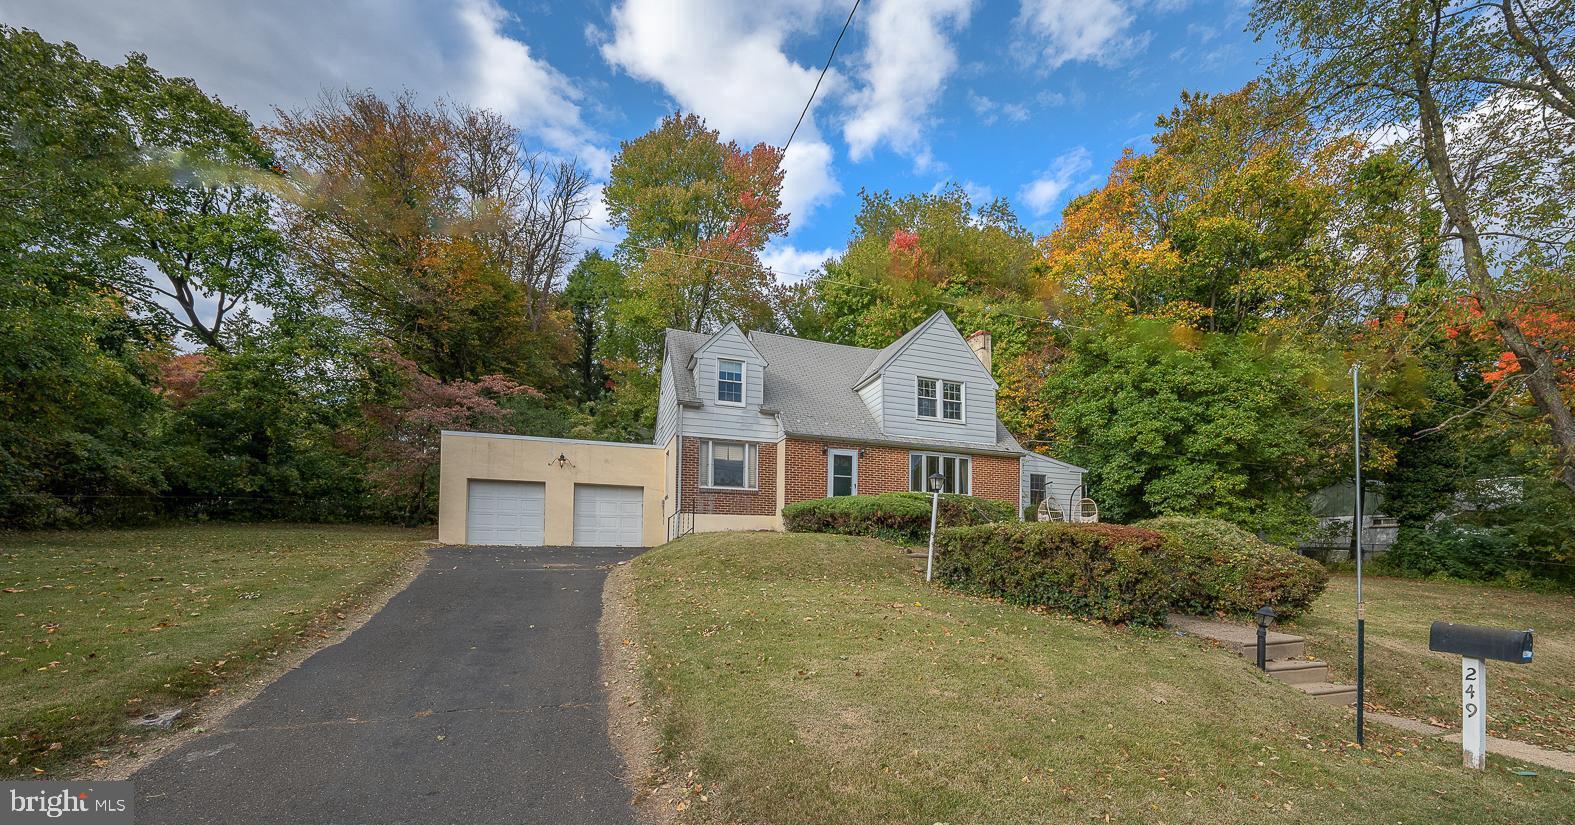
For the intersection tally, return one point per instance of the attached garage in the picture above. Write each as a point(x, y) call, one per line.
point(506, 512)
point(532, 491)
point(607, 516)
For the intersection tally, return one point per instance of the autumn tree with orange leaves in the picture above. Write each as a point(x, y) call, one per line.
point(697, 212)
point(1241, 219)
point(1481, 97)
point(432, 228)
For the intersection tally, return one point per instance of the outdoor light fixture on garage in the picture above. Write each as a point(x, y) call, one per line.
point(562, 461)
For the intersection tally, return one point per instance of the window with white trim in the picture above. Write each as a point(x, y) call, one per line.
point(1038, 485)
point(729, 465)
point(940, 400)
point(956, 468)
point(729, 381)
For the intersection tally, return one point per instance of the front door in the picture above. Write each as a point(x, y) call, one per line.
point(842, 472)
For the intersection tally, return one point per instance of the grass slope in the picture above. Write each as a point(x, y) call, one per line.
point(811, 678)
point(1532, 703)
point(98, 626)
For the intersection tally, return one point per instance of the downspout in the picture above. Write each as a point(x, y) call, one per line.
point(678, 480)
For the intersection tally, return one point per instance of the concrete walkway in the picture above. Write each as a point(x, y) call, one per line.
point(1507, 748)
point(474, 696)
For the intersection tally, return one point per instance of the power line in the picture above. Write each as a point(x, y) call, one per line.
point(822, 77)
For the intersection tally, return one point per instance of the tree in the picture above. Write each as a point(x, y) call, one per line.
point(1241, 219)
point(911, 255)
point(697, 212)
point(1483, 97)
point(111, 177)
point(1173, 421)
point(594, 285)
point(118, 175)
point(525, 208)
point(257, 431)
point(77, 432)
point(406, 428)
point(431, 230)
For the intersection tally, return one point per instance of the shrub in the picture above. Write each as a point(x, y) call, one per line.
point(899, 517)
point(1451, 551)
point(1224, 569)
point(1103, 571)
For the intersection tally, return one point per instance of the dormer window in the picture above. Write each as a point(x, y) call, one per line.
point(729, 382)
point(940, 400)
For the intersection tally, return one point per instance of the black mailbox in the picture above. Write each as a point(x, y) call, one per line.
point(1481, 642)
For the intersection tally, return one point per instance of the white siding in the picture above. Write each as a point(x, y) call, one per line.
point(871, 393)
point(715, 420)
point(666, 405)
point(1063, 479)
point(938, 352)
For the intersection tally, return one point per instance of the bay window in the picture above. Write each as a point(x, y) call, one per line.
point(956, 468)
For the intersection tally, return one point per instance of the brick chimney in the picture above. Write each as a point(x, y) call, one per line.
point(979, 342)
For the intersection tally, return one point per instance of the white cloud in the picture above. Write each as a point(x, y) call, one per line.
point(1066, 171)
point(725, 61)
point(1062, 31)
point(904, 69)
point(527, 91)
point(979, 193)
point(990, 110)
point(792, 264)
point(284, 53)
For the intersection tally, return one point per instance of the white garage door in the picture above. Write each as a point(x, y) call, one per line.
point(608, 516)
point(505, 512)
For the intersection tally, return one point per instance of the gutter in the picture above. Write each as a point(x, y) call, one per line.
point(964, 449)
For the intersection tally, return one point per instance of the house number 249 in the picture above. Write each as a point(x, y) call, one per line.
point(1473, 711)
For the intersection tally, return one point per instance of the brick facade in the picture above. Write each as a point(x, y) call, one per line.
point(758, 502)
point(996, 477)
point(885, 470)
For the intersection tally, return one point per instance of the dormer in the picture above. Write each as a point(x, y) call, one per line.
point(728, 371)
point(931, 383)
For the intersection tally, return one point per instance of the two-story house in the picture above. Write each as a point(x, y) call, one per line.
point(747, 424)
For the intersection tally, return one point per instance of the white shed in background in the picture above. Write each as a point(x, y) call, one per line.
point(1045, 477)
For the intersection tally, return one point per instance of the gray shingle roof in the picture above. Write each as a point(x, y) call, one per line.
point(681, 345)
point(810, 386)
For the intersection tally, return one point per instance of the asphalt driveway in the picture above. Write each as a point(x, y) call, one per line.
point(472, 697)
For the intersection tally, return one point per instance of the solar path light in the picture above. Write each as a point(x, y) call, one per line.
point(1266, 617)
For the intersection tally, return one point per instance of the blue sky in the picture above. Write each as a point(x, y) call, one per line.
point(1025, 99)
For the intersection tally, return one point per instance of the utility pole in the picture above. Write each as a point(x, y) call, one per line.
point(1356, 529)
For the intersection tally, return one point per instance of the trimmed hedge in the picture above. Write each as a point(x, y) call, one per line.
point(1105, 571)
point(1226, 570)
point(900, 517)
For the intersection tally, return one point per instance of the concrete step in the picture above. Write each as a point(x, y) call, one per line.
point(1284, 647)
point(1298, 671)
point(1241, 639)
point(1331, 693)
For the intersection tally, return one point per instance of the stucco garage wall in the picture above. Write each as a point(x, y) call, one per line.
point(467, 456)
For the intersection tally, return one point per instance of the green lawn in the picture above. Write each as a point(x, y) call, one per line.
point(811, 678)
point(1532, 703)
point(97, 627)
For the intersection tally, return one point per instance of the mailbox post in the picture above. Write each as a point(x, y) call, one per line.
point(1476, 645)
